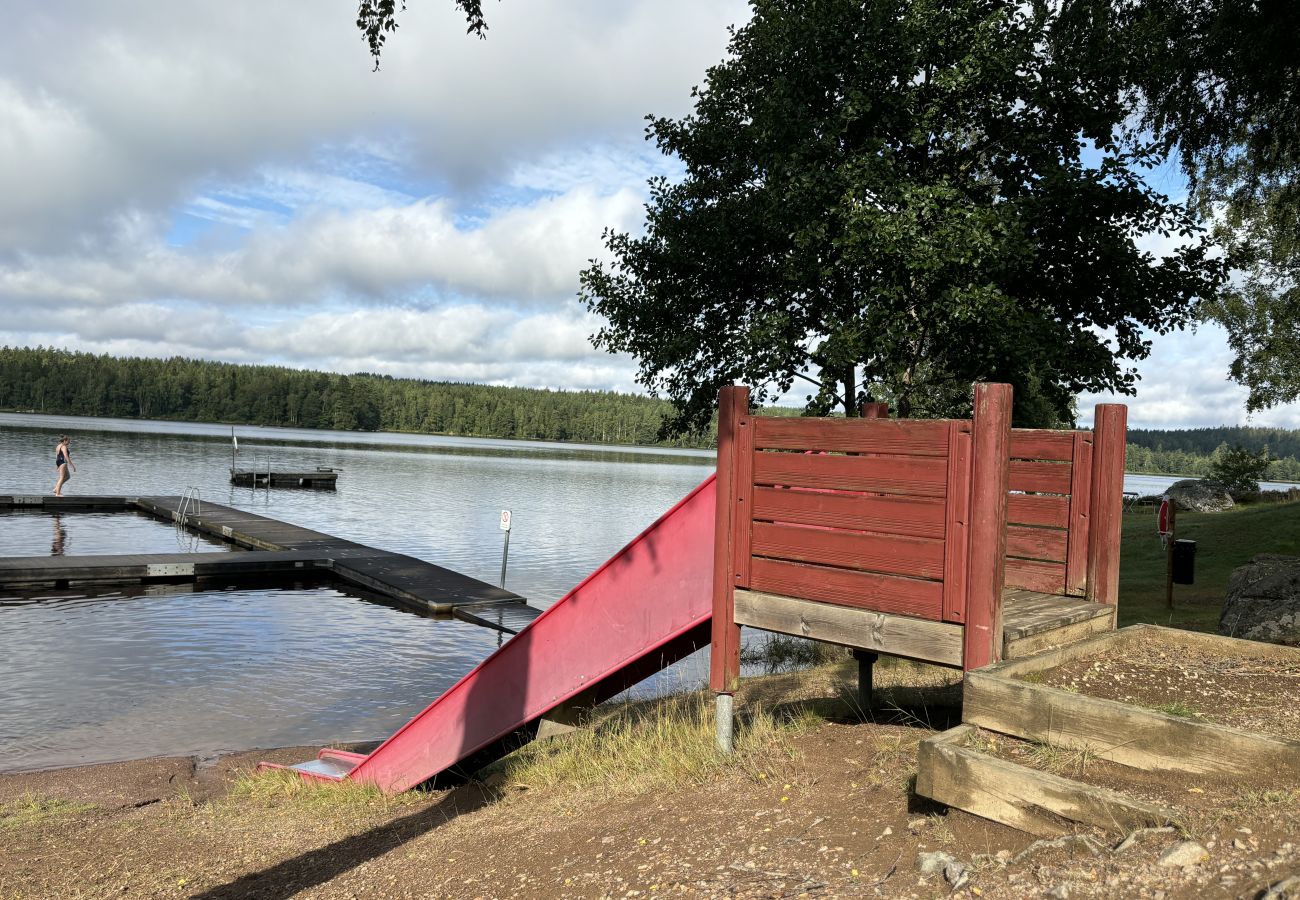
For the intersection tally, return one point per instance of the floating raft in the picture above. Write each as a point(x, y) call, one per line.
point(320, 478)
point(285, 549)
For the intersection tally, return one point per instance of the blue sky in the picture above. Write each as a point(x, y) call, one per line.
point(233, 182)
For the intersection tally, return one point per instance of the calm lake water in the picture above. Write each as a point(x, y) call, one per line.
point(97, 676)
point(115, 675)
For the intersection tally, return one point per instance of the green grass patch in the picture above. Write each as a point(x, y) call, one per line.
point(1178, 708)
point(642, 747)
point(32, 811)
point(1224, 541)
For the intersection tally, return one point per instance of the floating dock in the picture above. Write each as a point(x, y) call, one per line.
point(320, 478)
point(278, 548)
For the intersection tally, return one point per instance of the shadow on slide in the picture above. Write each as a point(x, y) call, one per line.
point(646, 608)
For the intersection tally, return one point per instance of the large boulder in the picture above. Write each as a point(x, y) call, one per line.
point(1199, 495)
point(1263, 602)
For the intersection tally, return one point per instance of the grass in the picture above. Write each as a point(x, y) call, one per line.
point(786, 653)
point(1178, 708)
point(31, 811)
point(1224, 541)
point(637, 748)
point(278, 788)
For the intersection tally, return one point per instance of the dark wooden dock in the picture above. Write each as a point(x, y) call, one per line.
point(277, 547)
point(326, 479)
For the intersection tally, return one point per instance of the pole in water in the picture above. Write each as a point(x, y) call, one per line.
point(505, 549)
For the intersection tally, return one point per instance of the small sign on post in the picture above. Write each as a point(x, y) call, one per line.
point(505, 549)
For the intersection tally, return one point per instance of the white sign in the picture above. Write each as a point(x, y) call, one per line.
point(505, 520)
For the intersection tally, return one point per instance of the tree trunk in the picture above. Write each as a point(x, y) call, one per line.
point(850, 381)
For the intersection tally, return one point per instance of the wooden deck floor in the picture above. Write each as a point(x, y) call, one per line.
point(418, 584)
point(1032, 621)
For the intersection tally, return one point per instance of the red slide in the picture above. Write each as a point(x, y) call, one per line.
point(646, 608)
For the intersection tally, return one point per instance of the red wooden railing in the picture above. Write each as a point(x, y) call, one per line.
point(924, 519)
point(871, 513)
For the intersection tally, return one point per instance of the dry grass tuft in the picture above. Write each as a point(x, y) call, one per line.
point(637, 748)
point(277, 788)
point(33, 811)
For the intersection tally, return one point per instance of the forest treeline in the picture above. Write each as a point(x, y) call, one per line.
point(1159, 452)
point(83, 384)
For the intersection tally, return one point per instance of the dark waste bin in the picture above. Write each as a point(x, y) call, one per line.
point(1184, 561)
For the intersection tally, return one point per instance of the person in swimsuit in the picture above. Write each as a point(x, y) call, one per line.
point(63, 462)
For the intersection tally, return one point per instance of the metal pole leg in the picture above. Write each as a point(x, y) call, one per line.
point(725, 720)
point(866, 663)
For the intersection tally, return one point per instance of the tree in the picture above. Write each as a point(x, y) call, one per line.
point(1219, 81)
point(900, 197)
point(1240, 470)
point(377, 19)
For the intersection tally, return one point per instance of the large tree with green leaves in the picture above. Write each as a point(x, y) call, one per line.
point(1219, 82)
point(892, 198)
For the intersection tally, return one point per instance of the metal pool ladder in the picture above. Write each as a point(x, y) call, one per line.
point(191, 501)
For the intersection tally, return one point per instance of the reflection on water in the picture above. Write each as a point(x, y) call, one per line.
point(38, 533)
point(147, 673)
point(164, 671)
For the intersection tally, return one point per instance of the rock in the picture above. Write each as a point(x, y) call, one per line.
point(1184, 853)
point(1060, 892)
point(1199, 495)
point(934, 863)
point(1263, 601)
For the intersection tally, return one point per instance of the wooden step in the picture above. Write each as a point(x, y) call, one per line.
point(1040, 803)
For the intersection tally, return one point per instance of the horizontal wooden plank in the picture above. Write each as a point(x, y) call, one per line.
point(864, 590)
point(1040, 477)
point(889, 554)
point(1038, 443)
point(1036, 543)
point(1019, 796)
point(1123, 733)
point(893, 436)
point(1033, 575)
point(935, 642)
point(1028, 509)
point(910, 476)
point(888, 515)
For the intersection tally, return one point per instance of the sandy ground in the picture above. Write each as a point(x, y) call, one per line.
point(830, 815)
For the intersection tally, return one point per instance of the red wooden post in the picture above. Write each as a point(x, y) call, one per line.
point(1076, 556)
point(991, 448)
point(878, 410)
point(1110, 431)
point(724, 665)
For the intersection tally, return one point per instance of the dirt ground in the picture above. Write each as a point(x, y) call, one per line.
point(830, 815)
point(1257, 692)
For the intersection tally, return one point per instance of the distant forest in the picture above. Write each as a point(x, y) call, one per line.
point(1191, 451)
point(83, 384)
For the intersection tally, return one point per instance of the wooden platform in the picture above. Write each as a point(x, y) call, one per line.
point(411, 582)
point(1033, 621)
point(321, 478)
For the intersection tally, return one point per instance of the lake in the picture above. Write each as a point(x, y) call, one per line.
point(93, 676)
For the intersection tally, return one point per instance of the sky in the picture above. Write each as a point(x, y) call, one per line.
point(233, 182)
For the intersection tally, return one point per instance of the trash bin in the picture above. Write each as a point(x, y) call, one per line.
point(1184, 561)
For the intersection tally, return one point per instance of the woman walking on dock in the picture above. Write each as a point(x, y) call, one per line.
point(63, 462)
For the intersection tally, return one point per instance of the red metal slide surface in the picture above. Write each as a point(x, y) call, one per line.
point(644, 609)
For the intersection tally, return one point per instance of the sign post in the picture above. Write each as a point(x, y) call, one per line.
point(1165, 527)
point(505, 550)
